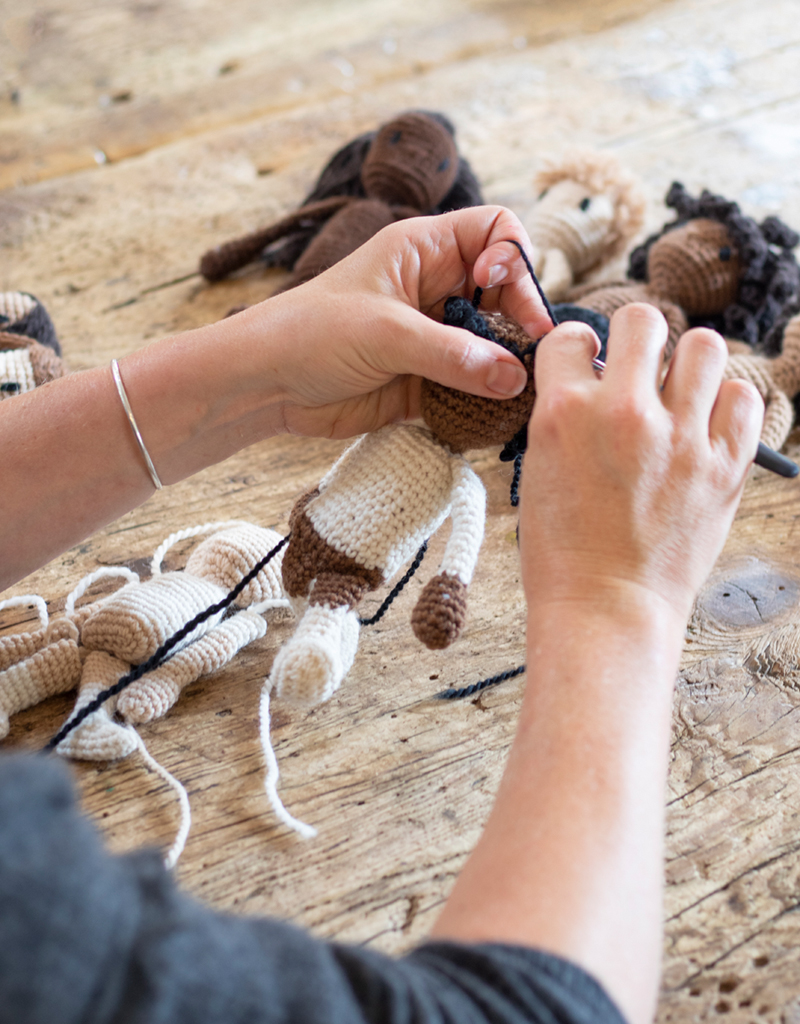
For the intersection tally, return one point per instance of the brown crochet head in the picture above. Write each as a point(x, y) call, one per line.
point(463, 421)
point(720, 266)
point(413, 161)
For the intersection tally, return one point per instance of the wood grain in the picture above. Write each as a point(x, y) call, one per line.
point(134, 135)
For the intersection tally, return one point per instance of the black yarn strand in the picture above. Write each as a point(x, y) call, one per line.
point(159, 656)
point(379, 614)
point(468, 691)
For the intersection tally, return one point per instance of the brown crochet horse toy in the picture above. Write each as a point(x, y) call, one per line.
point(410, 166)
point(711, 266)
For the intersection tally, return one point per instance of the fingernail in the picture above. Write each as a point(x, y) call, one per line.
point(497, 274)
point(506, 379)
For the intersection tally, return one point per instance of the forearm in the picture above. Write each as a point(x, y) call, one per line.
point(72, 456)
point(571, 858)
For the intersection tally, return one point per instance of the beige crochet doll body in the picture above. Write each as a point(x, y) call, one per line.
point(387, 494)
point(589, 208)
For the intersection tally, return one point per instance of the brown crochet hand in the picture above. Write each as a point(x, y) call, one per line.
point(440, 613)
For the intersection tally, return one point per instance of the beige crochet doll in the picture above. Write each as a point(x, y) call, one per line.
point(95, 645)
point(589, 208)
point(386, 495)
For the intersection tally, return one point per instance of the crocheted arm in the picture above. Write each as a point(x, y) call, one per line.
point(441, 611)
point(54, 668)
point(224, 259)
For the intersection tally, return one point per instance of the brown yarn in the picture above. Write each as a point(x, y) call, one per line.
point(46, 365)
point(440, 612)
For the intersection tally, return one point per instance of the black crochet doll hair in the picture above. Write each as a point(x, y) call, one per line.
point(770, 277)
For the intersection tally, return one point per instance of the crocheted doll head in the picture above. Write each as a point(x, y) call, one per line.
point(30, 354)
point(463, 421)
point(588, 209)
point(413, 161)
point(720, 266)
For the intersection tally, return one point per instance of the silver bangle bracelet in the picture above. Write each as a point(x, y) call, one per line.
point(126, 405)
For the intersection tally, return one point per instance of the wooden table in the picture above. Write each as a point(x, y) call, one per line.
point(133, 137)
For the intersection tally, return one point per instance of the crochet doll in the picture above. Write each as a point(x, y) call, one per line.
point(588, 209)
point(410, 166)
point(385, 496)
point(94, 645)
point(30, 354)
point(710, 266)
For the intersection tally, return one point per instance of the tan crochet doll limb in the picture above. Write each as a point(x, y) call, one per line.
point(777, 381)
point(441, 611)
point(54, 668)
point(590, 207)
point(152, 696)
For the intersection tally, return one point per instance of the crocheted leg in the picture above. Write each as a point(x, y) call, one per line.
point(99, 738)
point(310, 667)
point(53, 669)
point(778, 420)
point(154, 694)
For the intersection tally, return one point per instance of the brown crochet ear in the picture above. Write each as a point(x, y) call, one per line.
point(413, 161)
point(463, 421)
point(697, 266)
point(224, 259)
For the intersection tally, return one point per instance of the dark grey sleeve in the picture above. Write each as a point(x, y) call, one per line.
point(87, 938)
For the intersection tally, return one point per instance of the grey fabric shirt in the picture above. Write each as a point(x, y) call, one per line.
point(87, 938)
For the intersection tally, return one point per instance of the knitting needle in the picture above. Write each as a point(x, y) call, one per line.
point(766, 457)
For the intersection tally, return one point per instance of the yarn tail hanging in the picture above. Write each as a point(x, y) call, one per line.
point(174, 852)
point(396, 589)
point(468, 691)
point(273, 774)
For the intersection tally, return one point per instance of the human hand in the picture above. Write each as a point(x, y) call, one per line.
point(628, 490)
point(347, 350)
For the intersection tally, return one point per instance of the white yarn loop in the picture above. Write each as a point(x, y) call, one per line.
point(273, 774)
point(174, 852)
point(93, 577)
point(38, 603)
point(190, 531)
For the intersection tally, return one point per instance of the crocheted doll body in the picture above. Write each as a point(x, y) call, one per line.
point(588, 210)
point(410, 166)
point(386, 495)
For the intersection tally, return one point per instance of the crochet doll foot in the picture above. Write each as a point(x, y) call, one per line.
point(311, 666)
point(99, 738)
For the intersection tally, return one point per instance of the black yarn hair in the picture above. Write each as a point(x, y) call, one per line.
point(770, 278)
point(341, 176)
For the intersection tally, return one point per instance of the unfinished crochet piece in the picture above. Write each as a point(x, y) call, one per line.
point(385, 496)
point(410, 166)
point(589, 208)
point(30, 353)
point(133, 623)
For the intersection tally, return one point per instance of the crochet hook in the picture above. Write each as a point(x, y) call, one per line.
point(766, 457)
